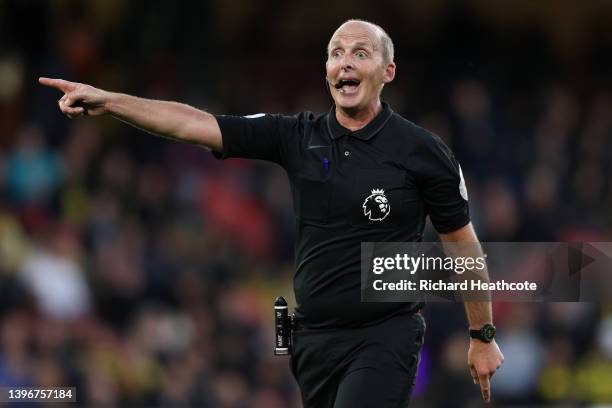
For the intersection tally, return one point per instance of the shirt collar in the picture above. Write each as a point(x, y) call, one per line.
point(336, 130)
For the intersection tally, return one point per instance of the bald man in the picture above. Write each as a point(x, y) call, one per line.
point(358, 173)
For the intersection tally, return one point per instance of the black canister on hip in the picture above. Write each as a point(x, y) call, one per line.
point(282, 325)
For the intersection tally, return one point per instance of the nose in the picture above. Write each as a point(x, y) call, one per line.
point(347, 63)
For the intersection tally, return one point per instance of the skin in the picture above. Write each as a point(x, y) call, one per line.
point(484, 359)
point(354, 52)
point(163, 118)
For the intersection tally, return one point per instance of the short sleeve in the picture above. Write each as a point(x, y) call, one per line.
point(442, 185)
point(261, 136)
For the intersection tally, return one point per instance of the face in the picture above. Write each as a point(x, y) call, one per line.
point(382, 203)
point(355, 67)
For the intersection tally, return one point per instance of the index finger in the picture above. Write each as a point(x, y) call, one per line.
point(485, 387)
point(62, 85)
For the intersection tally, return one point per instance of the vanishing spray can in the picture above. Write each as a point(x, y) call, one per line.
point(282, 323)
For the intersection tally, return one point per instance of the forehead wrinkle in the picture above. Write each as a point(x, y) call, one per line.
point(359, 44)
point(362, 40)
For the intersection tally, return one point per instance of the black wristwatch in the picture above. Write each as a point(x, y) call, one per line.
point(486, 333)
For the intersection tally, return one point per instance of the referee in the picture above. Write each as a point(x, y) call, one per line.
point(361, 172)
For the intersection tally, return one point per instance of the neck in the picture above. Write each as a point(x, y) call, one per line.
point(355, 119)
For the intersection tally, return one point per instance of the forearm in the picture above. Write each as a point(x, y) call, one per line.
point(464, 243)
point(478, 314)
point(168, 119)
point(164, 118)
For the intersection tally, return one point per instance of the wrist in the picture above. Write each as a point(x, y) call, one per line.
point(110, 101)
point(485, 333)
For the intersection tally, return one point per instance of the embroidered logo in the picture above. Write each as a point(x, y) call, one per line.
point(376, 206)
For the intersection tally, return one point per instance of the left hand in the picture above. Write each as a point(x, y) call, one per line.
point(484, 359)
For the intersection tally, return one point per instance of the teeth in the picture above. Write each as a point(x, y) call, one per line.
point(349, 82)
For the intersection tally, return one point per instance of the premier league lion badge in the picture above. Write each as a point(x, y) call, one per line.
point(376, 206)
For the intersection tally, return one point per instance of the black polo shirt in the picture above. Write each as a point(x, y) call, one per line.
point(374, 185)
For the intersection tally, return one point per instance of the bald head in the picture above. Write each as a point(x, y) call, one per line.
point(383, 42)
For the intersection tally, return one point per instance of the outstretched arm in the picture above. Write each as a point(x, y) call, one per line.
point(483, 358)
point(168, 119)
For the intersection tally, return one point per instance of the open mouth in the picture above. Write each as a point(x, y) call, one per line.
point(347, 85)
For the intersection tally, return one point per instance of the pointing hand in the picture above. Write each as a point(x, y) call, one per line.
point(79, 99)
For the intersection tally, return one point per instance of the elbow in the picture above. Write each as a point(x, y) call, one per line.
point(201, 128)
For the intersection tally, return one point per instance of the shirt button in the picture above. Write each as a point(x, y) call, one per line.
point(347, 153)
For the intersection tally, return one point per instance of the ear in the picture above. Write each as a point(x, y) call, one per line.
point(389, 73)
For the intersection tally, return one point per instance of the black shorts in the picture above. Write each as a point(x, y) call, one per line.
point(356, 368)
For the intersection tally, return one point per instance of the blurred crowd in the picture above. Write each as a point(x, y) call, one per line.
point(142, 271)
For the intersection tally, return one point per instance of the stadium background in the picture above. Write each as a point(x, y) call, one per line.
point(143, 271)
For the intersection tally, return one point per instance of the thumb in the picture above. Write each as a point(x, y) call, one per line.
point(69, 99)
point(72, 98)
point(474, 374)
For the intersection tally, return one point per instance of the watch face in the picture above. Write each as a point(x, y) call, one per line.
point(488, 332)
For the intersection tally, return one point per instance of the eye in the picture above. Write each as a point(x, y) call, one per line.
point(335, 53)
point(361, 54)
